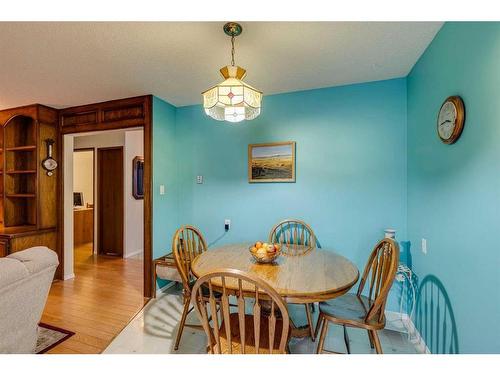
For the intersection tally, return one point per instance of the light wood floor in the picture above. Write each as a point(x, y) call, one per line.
point(98, 303)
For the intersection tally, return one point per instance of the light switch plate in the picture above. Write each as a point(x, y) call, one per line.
point(424, 246)
point(162, 189)
point(199, 179)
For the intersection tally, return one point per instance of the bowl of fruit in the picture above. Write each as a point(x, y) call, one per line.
point(263, 252)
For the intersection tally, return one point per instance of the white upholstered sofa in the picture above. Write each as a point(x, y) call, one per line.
point(25, 279)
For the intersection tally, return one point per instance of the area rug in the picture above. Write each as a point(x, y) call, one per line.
point(49, 337)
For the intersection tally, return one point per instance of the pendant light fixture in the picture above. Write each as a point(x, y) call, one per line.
point(232, 100)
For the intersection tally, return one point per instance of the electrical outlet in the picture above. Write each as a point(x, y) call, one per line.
point(162, 189)
point(227, 224)
point(199, 179)
point(424, 246)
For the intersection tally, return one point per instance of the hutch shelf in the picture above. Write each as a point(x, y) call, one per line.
point(28, 216)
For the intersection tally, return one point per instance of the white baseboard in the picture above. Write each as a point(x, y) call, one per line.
point(139, 251)
point(395, 321)
point(165, 287)
point(70, 276)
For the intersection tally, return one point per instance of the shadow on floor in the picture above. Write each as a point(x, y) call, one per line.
point(164, 321)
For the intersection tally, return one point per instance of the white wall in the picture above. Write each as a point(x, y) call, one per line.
point(68, 207)
point(134, 208)
point(83, 175)
point(101, 139)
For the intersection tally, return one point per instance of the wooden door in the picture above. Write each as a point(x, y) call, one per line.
point(110, 201)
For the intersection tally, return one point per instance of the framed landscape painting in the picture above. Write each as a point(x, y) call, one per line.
point(271, 162)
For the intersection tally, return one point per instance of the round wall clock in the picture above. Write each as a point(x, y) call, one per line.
point(451, 118)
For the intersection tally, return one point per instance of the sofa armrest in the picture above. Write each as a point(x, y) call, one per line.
point(36, 258)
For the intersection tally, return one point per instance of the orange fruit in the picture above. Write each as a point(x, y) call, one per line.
point(258, 244)
point(261, 252)
point(253, 249)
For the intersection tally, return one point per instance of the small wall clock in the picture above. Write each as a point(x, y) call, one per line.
point(49, 164)
point(451, 118)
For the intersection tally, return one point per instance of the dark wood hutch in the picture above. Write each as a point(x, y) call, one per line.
point(28, 196)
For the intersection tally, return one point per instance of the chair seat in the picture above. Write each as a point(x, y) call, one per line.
point(166, 269)
point(349, 309)
point(164, 272)
point(249, 336)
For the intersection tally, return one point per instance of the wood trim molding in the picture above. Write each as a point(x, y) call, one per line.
point(148, 199)
point(115, 114)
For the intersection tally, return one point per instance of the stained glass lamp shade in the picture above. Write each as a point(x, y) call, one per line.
point(232, 100)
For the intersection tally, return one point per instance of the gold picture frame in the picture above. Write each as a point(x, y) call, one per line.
point(271, 162)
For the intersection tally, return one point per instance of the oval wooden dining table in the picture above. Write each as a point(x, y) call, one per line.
point(315, 276)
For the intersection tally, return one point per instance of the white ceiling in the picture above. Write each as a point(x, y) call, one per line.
point(66, 64)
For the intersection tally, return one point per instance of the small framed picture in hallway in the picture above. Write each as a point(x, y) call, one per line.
point(138, 177)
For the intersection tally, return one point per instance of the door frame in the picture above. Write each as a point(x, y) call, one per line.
point(83, 149)
point(136, 112)
point(99, 197)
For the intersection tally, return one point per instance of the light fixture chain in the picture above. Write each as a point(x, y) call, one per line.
point(232, 50)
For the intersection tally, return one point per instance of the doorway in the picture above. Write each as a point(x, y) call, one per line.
point(83, 203)
point(98, 118)
point(110, 186)
point(118, 216)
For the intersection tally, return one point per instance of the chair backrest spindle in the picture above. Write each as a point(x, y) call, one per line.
point(241, 316)
point(187, 244)
point(241, 285)
point(297, 237)
point(379, 272)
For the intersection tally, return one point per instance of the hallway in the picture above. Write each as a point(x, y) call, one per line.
point(98, 303)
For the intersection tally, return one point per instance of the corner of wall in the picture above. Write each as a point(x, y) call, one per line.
point(165, 206)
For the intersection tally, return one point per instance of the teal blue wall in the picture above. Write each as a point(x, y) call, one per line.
point(368, 158)
point(165, 207)
point(350, 171)
point(454, 190)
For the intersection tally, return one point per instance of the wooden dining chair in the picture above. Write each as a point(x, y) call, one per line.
point(297, 238)
point(187, 244)
point(358, 310)
point(240, 332)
